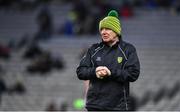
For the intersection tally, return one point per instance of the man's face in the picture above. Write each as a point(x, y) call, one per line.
point(108, 35)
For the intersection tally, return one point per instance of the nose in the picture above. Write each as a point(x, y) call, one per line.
point(103, 30)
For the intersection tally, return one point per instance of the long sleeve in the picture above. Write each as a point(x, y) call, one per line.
point(85, 70)
point(131, 69)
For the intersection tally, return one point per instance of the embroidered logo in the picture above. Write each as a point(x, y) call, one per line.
point(119, 59)
point(98, 59)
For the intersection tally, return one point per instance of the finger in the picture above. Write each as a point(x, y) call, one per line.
point(99, 68)
point(99, 72)
point(103, 73)
point(107, 70)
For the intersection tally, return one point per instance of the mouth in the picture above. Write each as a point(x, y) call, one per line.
point(105, 37)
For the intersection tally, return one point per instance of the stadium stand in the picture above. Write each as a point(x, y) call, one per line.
point(154, 33)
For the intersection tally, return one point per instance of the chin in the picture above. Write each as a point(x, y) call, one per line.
point(105, 40)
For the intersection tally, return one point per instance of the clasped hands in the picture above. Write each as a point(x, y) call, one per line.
point(102, 71)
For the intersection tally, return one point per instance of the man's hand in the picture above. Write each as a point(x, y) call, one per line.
point(102, 71)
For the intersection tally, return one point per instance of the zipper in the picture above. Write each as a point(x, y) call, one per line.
point(122, 52)
point(124, 89)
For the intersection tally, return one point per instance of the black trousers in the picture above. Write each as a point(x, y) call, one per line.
point(93, 109)
point(97, 109)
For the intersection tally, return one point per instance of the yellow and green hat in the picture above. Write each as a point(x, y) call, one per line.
point(112, 22)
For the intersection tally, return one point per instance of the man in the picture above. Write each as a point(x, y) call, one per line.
point(109, 66)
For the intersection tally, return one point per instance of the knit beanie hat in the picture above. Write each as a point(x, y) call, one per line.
point(112, 22)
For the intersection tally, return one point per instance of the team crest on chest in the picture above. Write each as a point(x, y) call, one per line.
point(119, 59)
